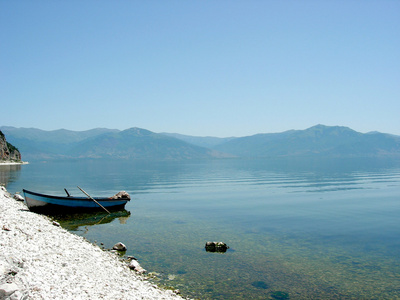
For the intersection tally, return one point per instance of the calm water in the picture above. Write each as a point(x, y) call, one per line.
point(296, 229)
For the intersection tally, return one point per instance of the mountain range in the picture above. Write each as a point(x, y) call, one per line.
point(137, 143)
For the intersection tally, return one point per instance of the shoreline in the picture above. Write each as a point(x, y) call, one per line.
point(41, 260)
point(11, 163)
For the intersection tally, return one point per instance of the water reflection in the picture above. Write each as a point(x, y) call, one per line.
point(148, 176)
point(73, 222)
point(9, 173)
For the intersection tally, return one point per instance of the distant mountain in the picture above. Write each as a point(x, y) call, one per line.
point(207, 141)
point(134, 143)
point(317, 141)
point(40, 144)
point(60, 136)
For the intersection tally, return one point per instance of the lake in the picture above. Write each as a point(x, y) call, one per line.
point(297, 229)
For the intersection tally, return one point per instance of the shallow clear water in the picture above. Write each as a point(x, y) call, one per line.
point(297, 229)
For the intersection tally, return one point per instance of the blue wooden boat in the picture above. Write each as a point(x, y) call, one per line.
point(59, 204)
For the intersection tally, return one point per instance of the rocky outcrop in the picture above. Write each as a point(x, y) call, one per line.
point(7, 151)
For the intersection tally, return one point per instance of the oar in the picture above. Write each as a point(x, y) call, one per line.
point(67, 192)
point(90, 197)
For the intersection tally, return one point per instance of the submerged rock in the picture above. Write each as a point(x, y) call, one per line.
point(216, 247)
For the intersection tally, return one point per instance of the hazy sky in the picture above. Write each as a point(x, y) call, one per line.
point(217, 68)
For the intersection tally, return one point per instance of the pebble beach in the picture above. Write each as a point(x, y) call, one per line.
point(41, 260)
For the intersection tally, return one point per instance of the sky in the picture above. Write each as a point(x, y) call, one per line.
point(204, 68)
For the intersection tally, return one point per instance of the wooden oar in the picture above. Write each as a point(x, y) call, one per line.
point(90, 197)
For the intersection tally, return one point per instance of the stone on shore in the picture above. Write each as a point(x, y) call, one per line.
point(18, 197)
point(56, 224)
point(7, 289)
point(134, 265)
point(119, 247)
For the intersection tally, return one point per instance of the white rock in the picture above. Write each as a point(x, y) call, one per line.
point(18, 197)
point(134, 265)
point(7, 289)
point(18, 295)
point(56, 224)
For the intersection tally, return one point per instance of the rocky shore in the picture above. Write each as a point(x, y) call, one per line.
point(40, 260)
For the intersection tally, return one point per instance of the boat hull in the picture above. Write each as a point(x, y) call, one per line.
point(57, 204)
